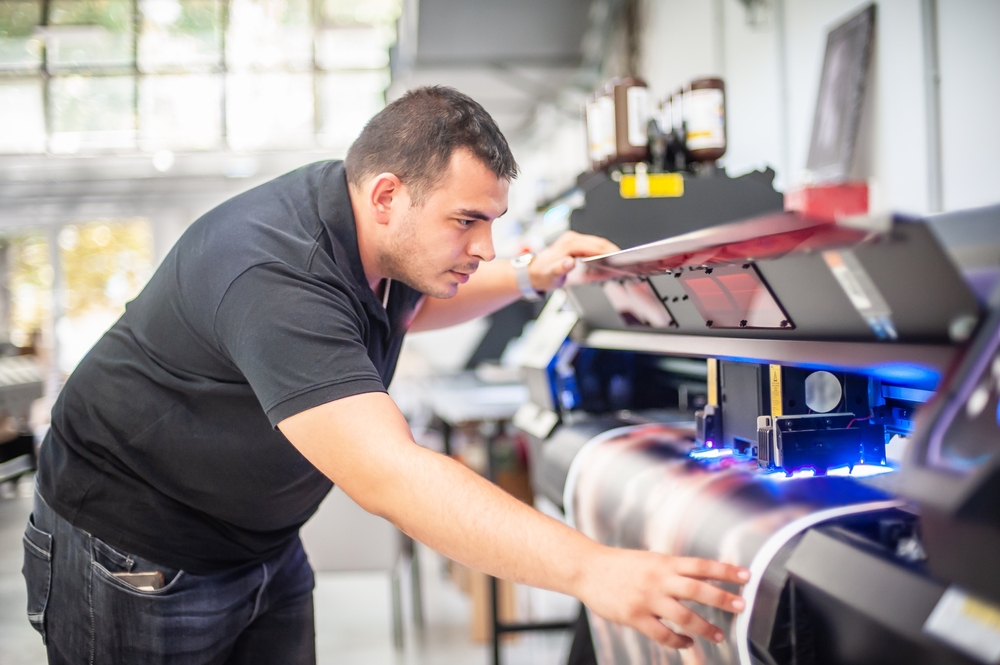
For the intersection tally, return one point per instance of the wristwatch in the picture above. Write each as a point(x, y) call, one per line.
point(521, 264)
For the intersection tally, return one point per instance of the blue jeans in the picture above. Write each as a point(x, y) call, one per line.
point(258, 613)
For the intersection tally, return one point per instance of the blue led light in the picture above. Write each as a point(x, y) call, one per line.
point(711, 453)
point(711, 444)
point(860, 470)
point(907, 373)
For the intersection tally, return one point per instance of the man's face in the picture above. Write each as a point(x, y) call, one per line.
point(437, 245)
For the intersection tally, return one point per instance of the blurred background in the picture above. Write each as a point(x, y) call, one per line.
point(122, 121)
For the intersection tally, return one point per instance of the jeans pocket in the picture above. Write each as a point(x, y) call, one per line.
point(109, 563)
point(134, 624)
point(37, 571)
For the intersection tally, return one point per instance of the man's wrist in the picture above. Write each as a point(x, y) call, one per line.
point(580, 565)
point(522, 274)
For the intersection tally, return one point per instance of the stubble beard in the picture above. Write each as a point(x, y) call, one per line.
point(400, 261)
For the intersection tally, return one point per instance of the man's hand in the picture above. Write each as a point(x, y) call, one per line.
point(550, 266)
point(644, 589)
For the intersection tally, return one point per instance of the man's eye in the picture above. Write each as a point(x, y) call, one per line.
point(466, 222)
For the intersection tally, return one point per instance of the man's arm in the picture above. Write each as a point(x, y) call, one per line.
point(494, 284)
point(363, 444)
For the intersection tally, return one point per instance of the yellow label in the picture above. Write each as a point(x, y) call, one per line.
point(713, 381)
point(652, 185)
point(776, 397)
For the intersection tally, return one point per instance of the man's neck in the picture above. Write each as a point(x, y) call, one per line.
point(366, 243)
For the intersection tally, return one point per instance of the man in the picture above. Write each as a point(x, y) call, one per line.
point(207, 425)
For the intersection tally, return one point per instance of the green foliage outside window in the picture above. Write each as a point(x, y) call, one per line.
point(30, 285)
point(18, 19)
point(113, 15)
point(105, 264)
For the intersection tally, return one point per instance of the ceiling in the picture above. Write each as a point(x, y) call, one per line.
point(509, 55)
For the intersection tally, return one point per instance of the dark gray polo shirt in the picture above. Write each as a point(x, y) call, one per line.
point(163, 440)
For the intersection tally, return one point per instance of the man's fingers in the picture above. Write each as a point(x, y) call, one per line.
point(702, 592)
point(563, 266)
point(592, 246)
point(578, 244)
point(654, 630)
point(688, 621)
point(706, 569)
point(559, 259)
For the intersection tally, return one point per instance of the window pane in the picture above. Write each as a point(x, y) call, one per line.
point(89, 33)
point(20, 46)
point(348, 100)
point(354, 48)
point(346, 12)
point(21, 116)
point(105, 264)
point(269, 34)
point(270, 111)
point(179, 34)
point(92, 112)
point(183, 112)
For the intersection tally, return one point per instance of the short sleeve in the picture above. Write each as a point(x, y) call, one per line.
point(298, 341)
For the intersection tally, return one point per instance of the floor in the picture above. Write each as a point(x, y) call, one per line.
point(353, 620)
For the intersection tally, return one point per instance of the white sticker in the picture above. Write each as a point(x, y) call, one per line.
point(862, 292)
point(637, 101)
point(705, 113)
point(967, 623)
point(851, 287)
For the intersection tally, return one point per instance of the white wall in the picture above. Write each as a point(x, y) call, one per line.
point(754, 95)
point(550, 158)
point(678, 44)
point(969, 39)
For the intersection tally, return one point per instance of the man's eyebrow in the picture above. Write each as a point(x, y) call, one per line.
point(475, 214)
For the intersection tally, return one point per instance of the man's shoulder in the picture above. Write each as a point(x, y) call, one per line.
point(275, 225)
point(277, 221)
point(293, 197)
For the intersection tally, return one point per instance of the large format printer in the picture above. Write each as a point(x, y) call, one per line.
point(816, 400)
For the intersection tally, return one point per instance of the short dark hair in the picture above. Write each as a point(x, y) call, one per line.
point(415, 136)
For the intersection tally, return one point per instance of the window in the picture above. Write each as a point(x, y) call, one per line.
point(112, 75)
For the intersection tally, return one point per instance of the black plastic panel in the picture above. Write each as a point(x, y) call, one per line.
point(922, 289)
point(706, 202)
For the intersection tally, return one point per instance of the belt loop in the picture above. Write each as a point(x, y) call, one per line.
point(260, 594)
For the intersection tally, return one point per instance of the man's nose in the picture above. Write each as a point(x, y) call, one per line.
point(482, 245)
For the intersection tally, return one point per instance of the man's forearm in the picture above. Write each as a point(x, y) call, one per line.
point(443, 504)
point(451, 509)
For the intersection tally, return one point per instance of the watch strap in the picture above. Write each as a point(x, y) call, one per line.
point(521, 264)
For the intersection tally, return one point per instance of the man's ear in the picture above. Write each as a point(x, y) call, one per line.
point(386, 191)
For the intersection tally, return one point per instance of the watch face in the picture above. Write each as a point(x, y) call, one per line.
point(522, 260)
